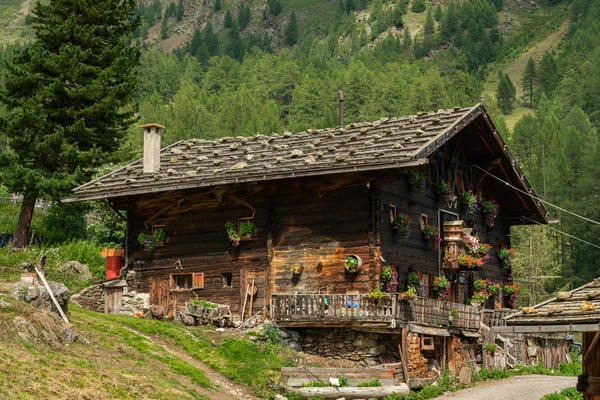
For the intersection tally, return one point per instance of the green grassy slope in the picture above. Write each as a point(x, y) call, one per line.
point(537, 30)
point(129, 358)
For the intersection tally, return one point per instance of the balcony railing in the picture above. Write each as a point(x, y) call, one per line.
point(345, 309)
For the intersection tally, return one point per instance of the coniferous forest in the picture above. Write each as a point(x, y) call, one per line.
point(276, 65)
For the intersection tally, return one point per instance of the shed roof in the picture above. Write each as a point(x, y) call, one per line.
point(567, 308)
point(388, 143)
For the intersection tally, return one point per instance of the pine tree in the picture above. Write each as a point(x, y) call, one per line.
point(438, 13)
point(406, 40)
point(196, 41)
point(180, 11)
point(529, 78)
point(547, 76)
point(418, 6)
point(291, 30)
point(235, 47)
point(243, 16)
point(429, 27)
point(211, 40)
point(274, 7)
point(202, 54)
point(228, 19)
point(397, 15)
point(157, 9)
point(505, 93)
point(67, 97)
point(449, 22)
point(217, 6)
point(164, 29)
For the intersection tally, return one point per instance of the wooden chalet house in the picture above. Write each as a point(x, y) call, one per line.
point(315, 198)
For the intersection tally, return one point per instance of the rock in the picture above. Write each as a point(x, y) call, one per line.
point(38, 296)
point(294, 336)
point(280, 397)
point(465, 376)
point(364, 343)
point(283, 334)
point(295, 346)
point(339, 345)
point(377, 350)
point(77, 270)
point(188, 320)
point(27, 268)
point(351, 335)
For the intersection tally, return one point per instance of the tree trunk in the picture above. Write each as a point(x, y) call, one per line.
point(21, 238)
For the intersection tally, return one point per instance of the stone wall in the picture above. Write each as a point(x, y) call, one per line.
point(133, 303)
point(91, 298)
point(94, 298)
point(366, 349)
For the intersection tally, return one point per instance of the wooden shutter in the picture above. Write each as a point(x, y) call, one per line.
point(198, 280)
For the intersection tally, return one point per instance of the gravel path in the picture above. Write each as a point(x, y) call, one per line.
point(526, 387)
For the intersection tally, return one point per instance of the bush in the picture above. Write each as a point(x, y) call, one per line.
point(64, 222)
point(82, 251)
point(418, 6)
point(565, 394)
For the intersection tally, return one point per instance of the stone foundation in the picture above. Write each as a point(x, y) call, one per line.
point(366, 349)
point(92, 298)
point(133, 302)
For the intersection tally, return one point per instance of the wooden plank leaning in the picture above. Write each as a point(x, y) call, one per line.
point(60, 310)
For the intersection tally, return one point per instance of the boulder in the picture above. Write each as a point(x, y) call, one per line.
point(38, 296)
point(465, 376)
point(77, 270)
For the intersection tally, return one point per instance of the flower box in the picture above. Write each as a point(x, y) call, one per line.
point(353, 263)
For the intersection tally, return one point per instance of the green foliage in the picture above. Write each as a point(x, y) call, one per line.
point(275, 7)
point(202, 303)
point(82, 251)
point(63, 223)
point(273, 334)
point(506, 93)
point(491, 347)
point(217, 6)
point(377, 294)
point(243, 16)
point(180, 11)
point(372, 383)
point(438, 13)
point(565, 394)
point(418, 6)
point(529, 79)
point(67, 97)
point(228, 19)
point(164, 29)
point(291, 31)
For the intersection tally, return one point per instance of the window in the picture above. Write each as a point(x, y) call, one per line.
point(182, 282)
point(424, 220)
point(227, 279)
point(393, 213)
point(187, 281)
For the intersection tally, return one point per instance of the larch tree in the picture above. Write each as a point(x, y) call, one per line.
point(506, 93)
point(529, 75)
point(67, 97)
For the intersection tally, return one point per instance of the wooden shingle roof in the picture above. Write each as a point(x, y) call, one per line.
point(579, 306)
point(383, 144)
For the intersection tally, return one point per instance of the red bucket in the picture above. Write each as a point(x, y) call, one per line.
point(113, 266)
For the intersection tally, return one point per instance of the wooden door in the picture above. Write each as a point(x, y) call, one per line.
point(113, 300)
point(258, 300)
point(159, 293)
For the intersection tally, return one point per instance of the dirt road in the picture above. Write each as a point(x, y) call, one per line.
point(526, 387)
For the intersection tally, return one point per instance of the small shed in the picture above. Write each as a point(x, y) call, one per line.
point(574, 311)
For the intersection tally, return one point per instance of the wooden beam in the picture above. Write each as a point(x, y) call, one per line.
point(489, 168)
point(162, 210)
point(115, 210)
point(592, 347)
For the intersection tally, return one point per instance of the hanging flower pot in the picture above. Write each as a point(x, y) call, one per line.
point(417, 180)
point(353, 263)
point(490, 210)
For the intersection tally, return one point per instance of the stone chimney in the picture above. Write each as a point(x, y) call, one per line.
point(151, 147)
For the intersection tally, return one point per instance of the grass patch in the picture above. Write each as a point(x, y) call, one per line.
point(565, 394)
point(82, 251)
point(256, 365)
point(117, 364)
point(372, 383)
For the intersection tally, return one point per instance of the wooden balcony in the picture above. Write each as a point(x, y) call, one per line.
point(343, 310)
